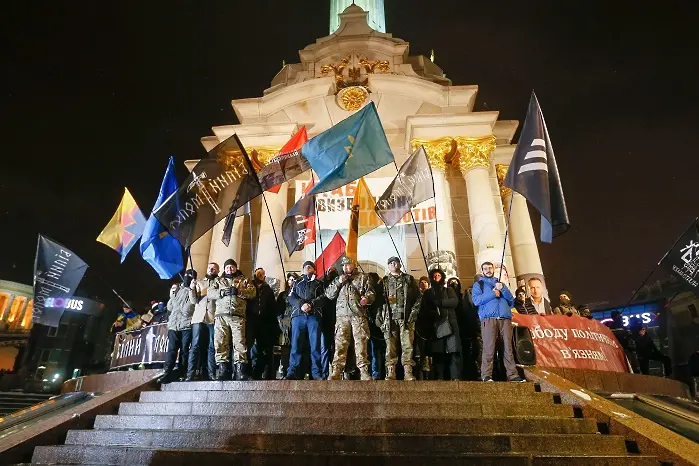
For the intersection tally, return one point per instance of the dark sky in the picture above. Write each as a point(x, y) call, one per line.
point(96, 96)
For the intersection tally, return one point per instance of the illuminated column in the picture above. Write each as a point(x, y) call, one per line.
point(375, 8)
point(474, 162)
point(201, 247)
point(268, 248)
point(521, 235)
point(219, 252)
point(445, 256)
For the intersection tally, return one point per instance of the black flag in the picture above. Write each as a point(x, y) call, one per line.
point(533, 173)
point(298, 227)
point(230, 218)
point(194, 208)
point(283, 168)
point(412, 185)
point(683, 259)
point(57, 273)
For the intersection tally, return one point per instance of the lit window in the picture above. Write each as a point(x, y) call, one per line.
point(16, 308)
point(4, 300)
point(27, 321)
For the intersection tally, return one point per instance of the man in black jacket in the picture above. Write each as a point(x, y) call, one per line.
point(262, 328)
point(306, 297)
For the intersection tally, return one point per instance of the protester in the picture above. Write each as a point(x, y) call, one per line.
point(306, 298)
point(647, 351)
point(523, 304)
point(565, 306)
point(179, 325)
point(231, 290)
point(327, 342)
point(376, 350)
point(261, 328)
point(469, 331)
point(202, 354)
point(354, 293)
point(127, 319)
point(440, 302)
point(284, 313)
point(494, 301)
point(424, 284)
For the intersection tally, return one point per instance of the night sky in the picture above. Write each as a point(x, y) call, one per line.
point(97, 95)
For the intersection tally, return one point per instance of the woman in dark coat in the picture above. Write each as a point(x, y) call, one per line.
point(284, 310)
point(469, 331)
point(440, 303)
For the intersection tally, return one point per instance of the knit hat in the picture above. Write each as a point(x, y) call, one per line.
point(154, 305)
point(521, 289)
point(191, 273)
point(567, 293)
point(230, 262)
point(307, 263)
point(393, 259)
point(347, 260)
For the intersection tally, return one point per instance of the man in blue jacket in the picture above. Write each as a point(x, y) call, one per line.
point(495, 301)
point(306, 298)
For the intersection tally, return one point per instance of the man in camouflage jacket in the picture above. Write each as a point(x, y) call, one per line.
point(354, 293)
point(397, 319)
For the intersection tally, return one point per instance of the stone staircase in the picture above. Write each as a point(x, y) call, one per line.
point(344, 422)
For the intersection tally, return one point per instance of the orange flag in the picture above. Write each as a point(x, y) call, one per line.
point(363, 217)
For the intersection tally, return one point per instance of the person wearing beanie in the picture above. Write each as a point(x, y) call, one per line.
point(202, 354)
point(565, 306)
point(307, 299)
point(354, 293)
point(230, 291)
point(523, 304)
point(179, 324)
point(397, 318)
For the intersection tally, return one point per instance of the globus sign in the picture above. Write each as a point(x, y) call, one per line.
point(61, 303)
point(644, 317)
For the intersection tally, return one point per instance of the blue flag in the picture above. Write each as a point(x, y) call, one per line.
point(161, 250)
point(349, 150)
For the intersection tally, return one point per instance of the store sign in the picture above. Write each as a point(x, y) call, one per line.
point(643, 317)
point(81, 305)
point(145, 346)
point(334, 206)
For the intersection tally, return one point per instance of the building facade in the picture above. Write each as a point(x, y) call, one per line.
point(469, 153)
point(16, 305)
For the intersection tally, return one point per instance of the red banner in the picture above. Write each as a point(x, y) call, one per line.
point(575, 342)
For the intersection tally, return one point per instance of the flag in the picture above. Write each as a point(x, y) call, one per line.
point(363, 217)
point(57, 274)
point(125, 228)
point(683, 259)
point(160, 249)
point(299, 225)
point(349, 150)
point(533, 173)
point(331, 254)
point(230, 218)
point(287, 165)
point(194, 209)
point(412, 185)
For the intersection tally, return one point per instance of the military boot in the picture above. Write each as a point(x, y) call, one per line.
point(391, 372)
point(408, 372)
point(364, 373)
point(222, 372)
point(240, 371)
point(336, 373)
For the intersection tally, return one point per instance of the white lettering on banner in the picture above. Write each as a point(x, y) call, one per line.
point(562, 333)
point(334, 207)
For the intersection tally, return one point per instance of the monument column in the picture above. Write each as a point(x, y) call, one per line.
point(219, 253)
point(474, 162)
point(525, 252)
point(268, 248)
point(200, 248)
point(445, 256)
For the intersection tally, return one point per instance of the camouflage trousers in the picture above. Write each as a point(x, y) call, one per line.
point(402, 332)
point(345, 328)
point(230, 331)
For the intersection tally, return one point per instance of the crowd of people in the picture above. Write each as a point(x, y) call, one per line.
point(347, 324)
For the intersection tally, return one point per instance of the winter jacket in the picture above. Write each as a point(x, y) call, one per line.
point(525, 307)
point(205, 309)
point(443, 309)
point(307, 291)
point(181, 307)
point(261, 310)
point(226, 303)
point(349, 294)
point(489, 306)
point(568, 310)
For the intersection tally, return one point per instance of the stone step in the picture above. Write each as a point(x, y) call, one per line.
point(155, 457)
point(352, 426)
point(502, 408)
point(385, 443)
point(494, 388)
point(322, 396)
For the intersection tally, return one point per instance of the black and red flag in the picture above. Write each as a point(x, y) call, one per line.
point(299, 225)
point(331, 255)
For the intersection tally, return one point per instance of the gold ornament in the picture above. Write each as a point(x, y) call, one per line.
point(352, 98)
point(261, 155)
point(382, 66)
point(438, 150)
point(501, 171)
point(336, 68)
point(474, 152)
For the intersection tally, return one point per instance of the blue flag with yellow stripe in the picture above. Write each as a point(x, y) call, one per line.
point(349, 150)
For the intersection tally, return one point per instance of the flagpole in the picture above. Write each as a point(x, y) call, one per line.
point(412, 216)
point(658, 264)
point(507, 230)
point(252, 244)
point(394, 245)
point(436, 218)
point(276, 239)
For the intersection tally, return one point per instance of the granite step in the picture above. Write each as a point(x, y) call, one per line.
point(352, 426)
point(322, 396)
point(373, 443)
point(350, 410)
point(155, 457)
point(492, 388)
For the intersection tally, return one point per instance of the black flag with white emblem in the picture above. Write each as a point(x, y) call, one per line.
point(533, 173)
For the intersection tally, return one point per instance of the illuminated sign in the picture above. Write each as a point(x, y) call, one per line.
point(61, 303)
point(644, 317)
